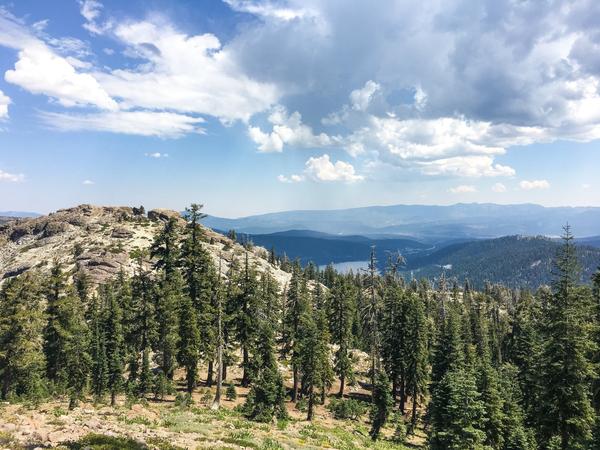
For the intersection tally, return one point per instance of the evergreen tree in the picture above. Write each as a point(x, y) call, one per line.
point(113, 337)
point(168, 300)
point(200, 277)
point(55, 333)
point(246, 319)
point(341, 312)
point(189, 337)
point(457, 413)
point(266, 398)
point(75, 346)
point(417, 357)
point(140, 329)
point(22, 361)
point(313, 358)
point(97, 349)
point(382, 404)
point(566, 414)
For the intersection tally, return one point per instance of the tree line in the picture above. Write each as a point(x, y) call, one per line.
point(493, 369)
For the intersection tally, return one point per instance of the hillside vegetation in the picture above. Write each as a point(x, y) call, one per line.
point(197, 342)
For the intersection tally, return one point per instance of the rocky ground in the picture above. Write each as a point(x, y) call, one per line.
point(99, 241)
point(165, 425)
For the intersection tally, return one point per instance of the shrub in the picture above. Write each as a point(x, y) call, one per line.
point(231, 393)
point(347, 409)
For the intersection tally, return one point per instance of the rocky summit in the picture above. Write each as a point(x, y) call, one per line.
point(101, 241)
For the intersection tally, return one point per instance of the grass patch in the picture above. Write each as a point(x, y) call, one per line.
point(102, 442)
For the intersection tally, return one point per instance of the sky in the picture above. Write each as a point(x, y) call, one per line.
point(253, 106)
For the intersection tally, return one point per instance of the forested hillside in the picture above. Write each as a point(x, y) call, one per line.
point(514, 261)
point(320, 360)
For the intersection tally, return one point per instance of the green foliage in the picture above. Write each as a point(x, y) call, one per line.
point(230, 393)
point(101, 442)
point(22, 360)
point(347, 408)
point(382, 404)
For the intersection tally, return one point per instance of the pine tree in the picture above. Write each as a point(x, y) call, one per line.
point(200, 277)
point(417, 356)
point(22, 361)
point(266, 398)
point(75, 346)
point(566, 414)
point(136, 298)
point(168, 299)
point(97, 348)
point(313, 358)
point(456, 412)
point(246, 319)
point(371, 313)
point(525, 352)
point(113, 337)
point(189, 337)
point(343, 298)
point(55, 333)
point(382, 404)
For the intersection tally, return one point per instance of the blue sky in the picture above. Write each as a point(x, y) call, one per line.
point(252, 106)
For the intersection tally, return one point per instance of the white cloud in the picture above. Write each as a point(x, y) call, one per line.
point(144, 123)
point(41, 71)
point(322, 169)
point(445, 146)
point(463, 189)
point(175, 77)
point(361, 98)
point(188, 74)
point(534, 184)
point(269, 9)
point(156, 155)
point(420, 98)
point(499, 188)
point(291, 179)
point(4, 102)
point(287, 129)
point(465, 166)
point(88, 182)
point(586, 186)
point(91, 11)
point(11, 177)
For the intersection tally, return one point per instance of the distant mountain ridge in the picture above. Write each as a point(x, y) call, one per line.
point(19, 214)
point(425, 222)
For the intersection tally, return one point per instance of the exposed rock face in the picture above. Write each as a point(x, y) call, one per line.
point(99, 240)
point(163, 215)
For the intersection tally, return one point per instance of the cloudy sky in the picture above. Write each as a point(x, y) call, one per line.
point(251, 106)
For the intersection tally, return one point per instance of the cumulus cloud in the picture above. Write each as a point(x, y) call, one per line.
point(188, 74)
point(4, 102)
point(169, 75)
point(445, 146)
point(269, 9)
point(361, 98)
point(41, 71)
point(323, 169)
point(499, 188)
point(87, 182)
point(144, 123)
point(534, 184)
point(11, 177)
point(463, 189)
point(287, 129)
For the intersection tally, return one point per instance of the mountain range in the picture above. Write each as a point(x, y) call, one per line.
point(429, 223)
